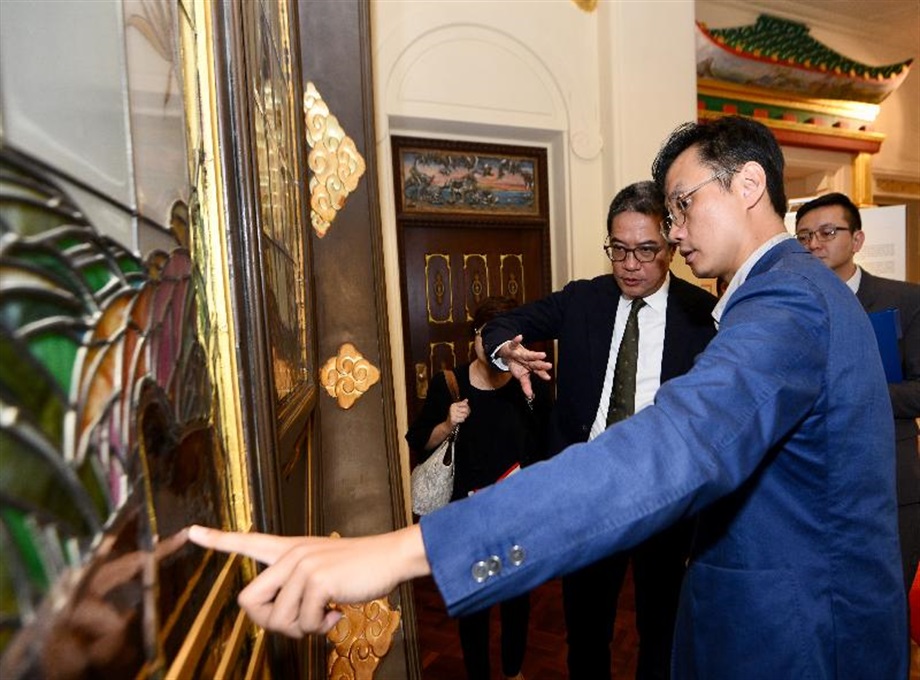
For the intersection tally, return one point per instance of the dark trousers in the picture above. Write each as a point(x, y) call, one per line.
point(590, 604)
point(474, 638)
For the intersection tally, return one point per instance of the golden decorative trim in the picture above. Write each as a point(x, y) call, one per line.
point(334, 159)
point(510, 285)
point(829, 107)
point(877, 137)
point(257, 668)
point(897, 187)
point(208, 223)
point(586, 5)
point(862, 179)
point(192, 647)
point(232, 646)
point(478, 289)
point(348, 376)
point(441, 289)
point(361, 638)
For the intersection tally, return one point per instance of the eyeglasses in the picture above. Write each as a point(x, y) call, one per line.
point(643, 253)
point(824, 233)
point(677, 209)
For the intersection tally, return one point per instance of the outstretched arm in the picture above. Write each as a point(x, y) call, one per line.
point(307, 574)
point(522, 362)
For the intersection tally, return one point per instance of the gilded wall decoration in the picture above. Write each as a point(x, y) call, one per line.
point(348, 376)
point(476, 273)
point(512, 275)
point(285, 265)
point(439, 297)
point(334, 159)
point(586, 5)
point(361, 638)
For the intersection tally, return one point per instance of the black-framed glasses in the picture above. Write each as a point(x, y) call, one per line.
point(643, 253)
point(824, 233)
point(680, 204)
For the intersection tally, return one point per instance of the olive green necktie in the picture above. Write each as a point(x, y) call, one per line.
point(623, 394)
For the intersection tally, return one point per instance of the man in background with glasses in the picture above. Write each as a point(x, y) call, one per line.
point(830, 226)
point(589, 318)
point(779, 439)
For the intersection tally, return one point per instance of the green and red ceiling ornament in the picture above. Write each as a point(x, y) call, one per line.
point(781, 55)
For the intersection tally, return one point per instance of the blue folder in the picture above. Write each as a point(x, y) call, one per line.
point(887, 326)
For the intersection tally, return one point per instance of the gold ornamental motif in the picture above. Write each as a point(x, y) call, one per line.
point(361, 638)
point(334, 159)
point(348, 375)
point(586, 5)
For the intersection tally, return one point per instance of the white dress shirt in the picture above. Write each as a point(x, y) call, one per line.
point(651, 349)
point(854, 281)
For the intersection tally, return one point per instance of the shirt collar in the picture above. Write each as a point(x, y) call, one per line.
point(854, 281)
point(742, 273)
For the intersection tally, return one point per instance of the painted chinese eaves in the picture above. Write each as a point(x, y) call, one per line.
point(781, 55)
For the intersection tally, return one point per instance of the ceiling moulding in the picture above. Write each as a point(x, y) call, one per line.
point(812, 96)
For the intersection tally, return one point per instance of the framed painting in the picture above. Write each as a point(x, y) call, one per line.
point(439, 179)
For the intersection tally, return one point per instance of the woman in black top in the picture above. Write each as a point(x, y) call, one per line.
point(499, 430)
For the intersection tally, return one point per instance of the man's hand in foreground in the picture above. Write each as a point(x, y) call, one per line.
point(306, 574)
point(522, 362)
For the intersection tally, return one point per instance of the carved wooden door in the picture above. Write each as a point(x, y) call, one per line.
point(447, 271)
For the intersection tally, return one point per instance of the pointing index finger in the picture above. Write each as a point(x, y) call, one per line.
point(263, 548)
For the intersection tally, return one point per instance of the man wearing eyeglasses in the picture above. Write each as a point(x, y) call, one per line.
point(780, 439)
point(830, 226)
point(589, 318)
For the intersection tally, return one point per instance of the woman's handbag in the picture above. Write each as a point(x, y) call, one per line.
point(433, 481)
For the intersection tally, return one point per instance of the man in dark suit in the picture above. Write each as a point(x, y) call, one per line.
point(831, 227)
point(589, 320)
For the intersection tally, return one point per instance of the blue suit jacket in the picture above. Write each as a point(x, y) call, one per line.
point(781, 438)
point(581, 318)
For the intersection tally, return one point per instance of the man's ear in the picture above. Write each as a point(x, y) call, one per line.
point(859, 237)
point(753, 183)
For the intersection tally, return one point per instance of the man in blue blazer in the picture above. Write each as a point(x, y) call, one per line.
point(780, 437)
point(830, 226)
point(588, 319)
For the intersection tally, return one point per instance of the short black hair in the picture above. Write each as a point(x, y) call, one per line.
point(491, 307)
point(850, 211)
point(727, 143)
point(641, 197)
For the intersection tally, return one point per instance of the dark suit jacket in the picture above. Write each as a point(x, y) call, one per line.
point(581, 318)
point(876, 294)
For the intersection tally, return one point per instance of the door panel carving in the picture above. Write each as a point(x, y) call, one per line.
point(460, 265)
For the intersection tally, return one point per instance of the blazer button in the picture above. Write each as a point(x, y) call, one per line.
point(480, 571)
point(495, 565)
point(516, 555)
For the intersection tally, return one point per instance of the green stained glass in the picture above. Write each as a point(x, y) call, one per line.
point(39, 481)
point(57, 353)
point(18, 310)
point(97, 275)
point(21, 536)
point(30, 219)
point(30, 389)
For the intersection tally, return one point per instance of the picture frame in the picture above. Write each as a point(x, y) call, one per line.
point(467, 181)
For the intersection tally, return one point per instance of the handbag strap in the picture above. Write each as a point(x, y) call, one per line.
point(452, 384)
